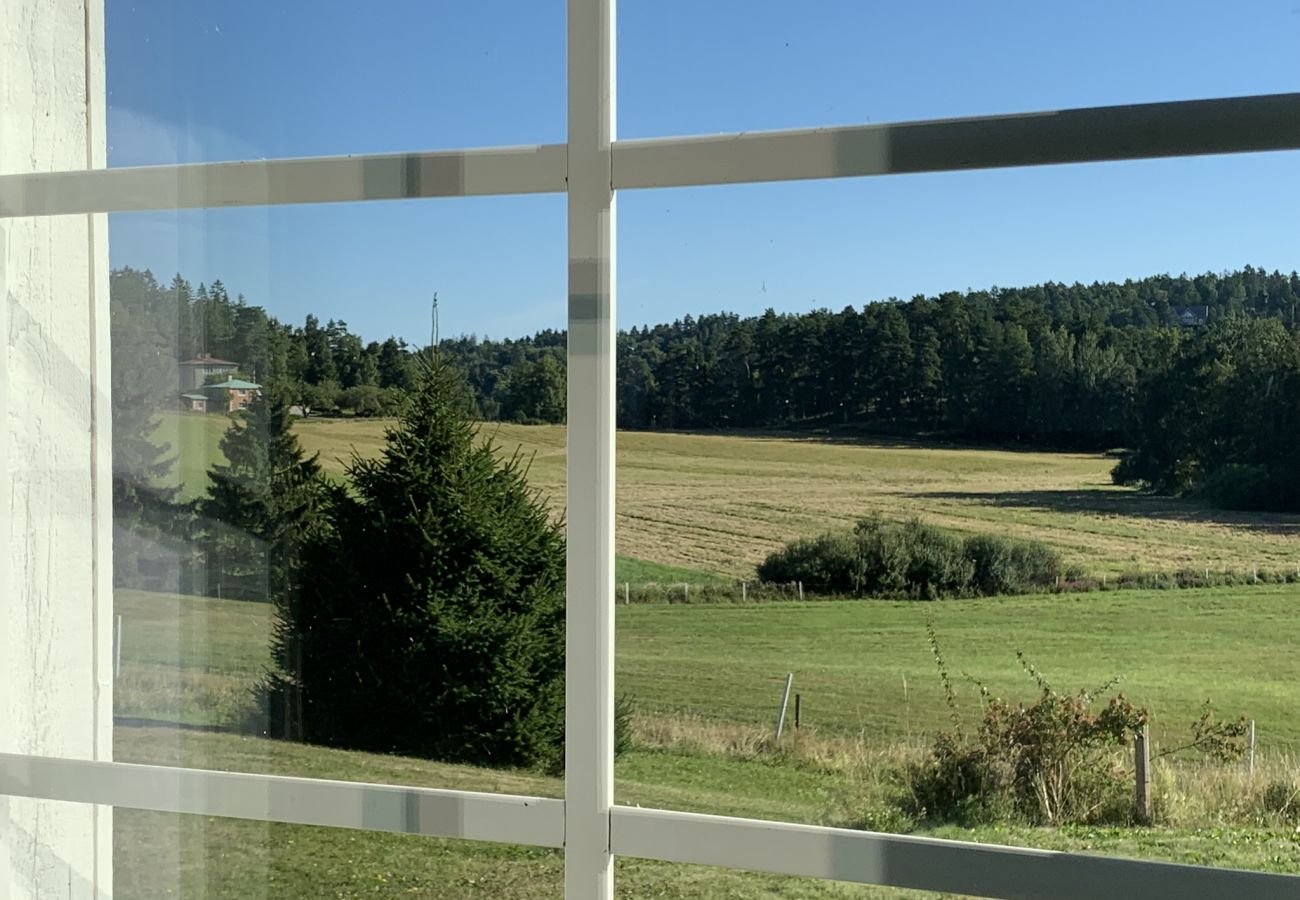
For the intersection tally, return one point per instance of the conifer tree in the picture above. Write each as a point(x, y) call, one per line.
point(430, 619)
point(261, 504)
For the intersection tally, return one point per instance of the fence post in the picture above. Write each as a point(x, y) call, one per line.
point(785, 699)
point(801, 591)
point(796, 712)
point(744, 591)
point(1250, 757)
point(686, 592)
point(1142, 768)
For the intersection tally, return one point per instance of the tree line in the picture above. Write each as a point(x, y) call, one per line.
point(1097, 366)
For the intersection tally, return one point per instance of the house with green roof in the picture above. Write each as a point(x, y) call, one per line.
point(230, 395)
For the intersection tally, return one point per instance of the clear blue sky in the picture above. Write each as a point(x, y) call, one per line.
point(196, 82)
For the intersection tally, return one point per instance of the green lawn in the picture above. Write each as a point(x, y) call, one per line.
point(861, 667)
point(867, 666)
point(712, 673)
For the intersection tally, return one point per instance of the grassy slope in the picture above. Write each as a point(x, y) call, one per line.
point(717, 504)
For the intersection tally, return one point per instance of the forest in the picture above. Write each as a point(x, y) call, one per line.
point(1194, 381)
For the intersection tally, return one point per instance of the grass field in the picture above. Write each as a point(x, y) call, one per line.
point(707, 680)
point(717, 504)
point(862, 668)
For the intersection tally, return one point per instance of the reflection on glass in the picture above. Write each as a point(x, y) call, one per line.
point(330, 540)
point(160, 855)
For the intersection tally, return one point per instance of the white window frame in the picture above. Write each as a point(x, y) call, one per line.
point(590, 168)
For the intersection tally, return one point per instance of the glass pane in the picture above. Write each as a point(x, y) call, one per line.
point(309, 542)
point(189, 82)
point(52, 852)
point(841, 401)
point(687, 68)
point(159, 854)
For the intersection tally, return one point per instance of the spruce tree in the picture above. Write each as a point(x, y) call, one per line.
point(430, 619)
point(146, 518)
point(261, 504)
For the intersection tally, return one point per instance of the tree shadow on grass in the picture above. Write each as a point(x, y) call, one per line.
point(1131, 504)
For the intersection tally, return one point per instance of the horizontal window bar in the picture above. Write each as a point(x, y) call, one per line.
point(1144, 131)
point(332, 179)
point(929, 864)
point(474, 816)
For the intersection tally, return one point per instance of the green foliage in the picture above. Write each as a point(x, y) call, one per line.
point(1209, 409)
point(261, 504)
point(1004, 565)
point(1052, 761)
point(1221, 421)
point(430, 619)
point(1219, 739)
point(147, 522)
point(535, 392)
point(911, 559)
point(1282, 799)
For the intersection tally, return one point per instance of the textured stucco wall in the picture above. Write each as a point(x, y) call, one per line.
point(55, 517)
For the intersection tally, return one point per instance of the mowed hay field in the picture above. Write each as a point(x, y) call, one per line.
point(719, 503)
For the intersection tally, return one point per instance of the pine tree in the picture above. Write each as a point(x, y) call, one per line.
point(430, 620)
point(261, 504)
point(144, 382)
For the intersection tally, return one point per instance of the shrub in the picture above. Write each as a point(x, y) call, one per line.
point(912, 559)
point(831, 563)
point(1282, 799)
point(1248, 487)
point(1007, 566)
point(1053, 761)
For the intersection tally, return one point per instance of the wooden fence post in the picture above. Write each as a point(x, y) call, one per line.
point(801, 591)
point(744, 591)
point(627, 593)
point(1250, 758)
point(796, 712)
point(1142, 767)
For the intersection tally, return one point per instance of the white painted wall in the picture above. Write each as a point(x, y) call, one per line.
point(55, 509)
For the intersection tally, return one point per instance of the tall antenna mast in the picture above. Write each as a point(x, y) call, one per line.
point(433, 342)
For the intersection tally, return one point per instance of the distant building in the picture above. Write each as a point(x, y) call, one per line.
point(197, 370)
point(239, 393)
point(195, 402)
point(1192, 316)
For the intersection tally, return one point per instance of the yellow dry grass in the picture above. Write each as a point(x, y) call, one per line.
point(719, 503)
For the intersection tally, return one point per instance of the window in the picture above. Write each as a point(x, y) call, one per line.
point(66, 766)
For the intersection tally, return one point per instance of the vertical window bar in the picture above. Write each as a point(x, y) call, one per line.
point(589, 692)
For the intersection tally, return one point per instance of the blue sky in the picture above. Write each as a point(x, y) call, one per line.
point(197, 82)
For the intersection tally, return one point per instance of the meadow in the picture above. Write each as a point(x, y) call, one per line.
point(705, 679)
point(715, 505)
